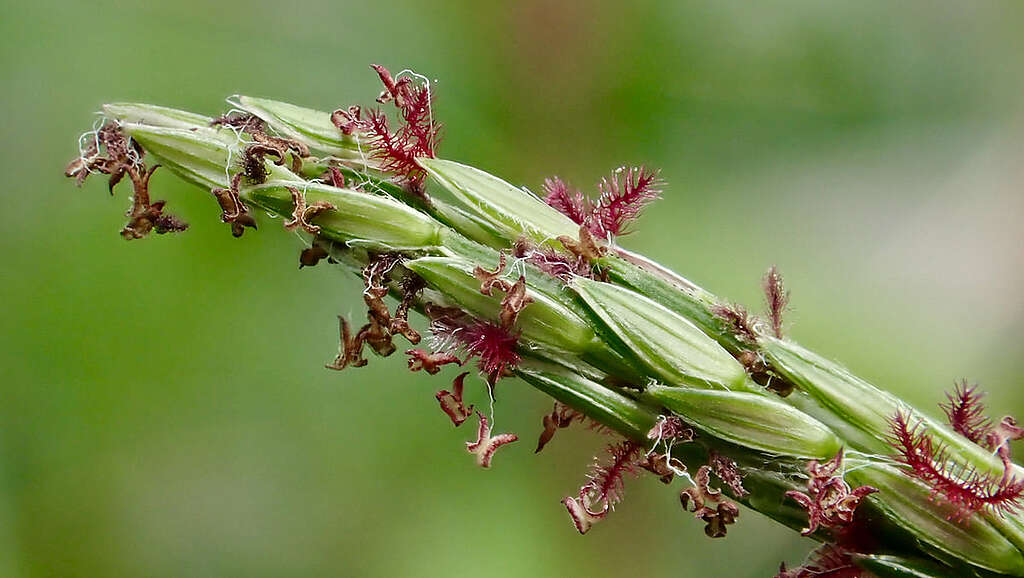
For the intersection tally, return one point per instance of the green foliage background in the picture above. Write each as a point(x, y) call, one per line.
point(163, 406)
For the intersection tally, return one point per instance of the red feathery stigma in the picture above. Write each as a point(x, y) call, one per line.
point(620, 202)
point(829, 501)
point(966, 412)
point(451, 401)
point(776, 298)
point(966, 415)
point(966, 489)
point(737, 321)
point(571, 204)
point(486, 444)
point(494, 347)
point(828, 561)
point(417, 136)
point(605, 486)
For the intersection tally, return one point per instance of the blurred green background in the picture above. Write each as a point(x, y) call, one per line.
point(164, 407)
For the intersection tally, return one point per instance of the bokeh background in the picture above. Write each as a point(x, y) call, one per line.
point(164, 410)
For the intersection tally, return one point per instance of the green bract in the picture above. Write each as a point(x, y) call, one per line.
point(199, 155)
point(374, 220)
point(670, 346)
point(596, 401)
point(844, 394)
point(544, 320)
point(750, 419)
point(910, 504)
point(311, 127)
point(509, 209)
point(154, 115)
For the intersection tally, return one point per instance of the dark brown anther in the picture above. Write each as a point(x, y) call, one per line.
point(724, 514)
point(430, 362)
point(167, 223)
point(253, 163)
point(377, 332)
point(586, 247)
point(233, 210)
point(123, 156)
point(145, 216)
point(334, 177)
point(398, 91)
point(489, 279)
point(764, 375)
point(375, 278)
point(80, 168)
point(348, 121)
point(349, 349)
point(280, 147)
point(561, 416)
point(310, 256)
point(658, 464)
point(411, 286)
point(451, 401)
point(699, 499)
point(252, 159)
point(376, 335)
point(303, 213)
point(242, 121)
point(515, 300)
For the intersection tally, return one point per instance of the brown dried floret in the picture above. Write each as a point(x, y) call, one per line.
point(233, 210)
point(515, 299)
point(411, 286)
point(303, 213)
point(451, 401)
point(112, 153)
point(585, 247)
point(312, 255)
point(707, 504)
point(252, 157)
point(350, 350)
point(432, 363)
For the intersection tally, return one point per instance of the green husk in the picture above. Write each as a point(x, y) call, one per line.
point(671, 347)
point(748, 419)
